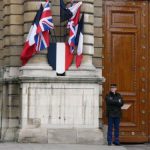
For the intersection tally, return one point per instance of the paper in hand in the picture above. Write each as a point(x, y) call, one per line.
point(126, 106)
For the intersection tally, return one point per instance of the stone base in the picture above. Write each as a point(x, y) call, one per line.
point(9, 134)
point(38, 71)
point(61, 136)
point(75, 136)
point(37, 135)
point(60, 109)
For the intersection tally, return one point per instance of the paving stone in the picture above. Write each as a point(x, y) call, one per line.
point(15, 146)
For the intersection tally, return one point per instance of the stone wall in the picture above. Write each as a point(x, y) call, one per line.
point(13, 32)
point(98, 44)
point(11, 42)
point(98, 34)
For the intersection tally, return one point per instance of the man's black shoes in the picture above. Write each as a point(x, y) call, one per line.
point(116, 143)
point(109, 144)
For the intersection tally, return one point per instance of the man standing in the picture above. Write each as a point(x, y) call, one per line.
point(114, 102)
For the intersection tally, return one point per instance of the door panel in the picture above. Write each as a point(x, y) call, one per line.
point(126, 63)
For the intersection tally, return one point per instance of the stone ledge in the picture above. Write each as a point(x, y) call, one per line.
point(54, 80)
point(61, 136)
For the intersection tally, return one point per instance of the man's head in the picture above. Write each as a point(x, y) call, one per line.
point(113, 87)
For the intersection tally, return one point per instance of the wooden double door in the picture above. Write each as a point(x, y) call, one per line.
point(127, 63)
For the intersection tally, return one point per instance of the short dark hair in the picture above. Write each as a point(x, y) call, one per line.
point(112, 85)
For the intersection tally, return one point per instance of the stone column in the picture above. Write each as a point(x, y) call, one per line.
point(12, 46)
point(88, 9)
point(98, 45)
point(59, 32)
point(86, 68)
point(39, 61)
point(12, 37)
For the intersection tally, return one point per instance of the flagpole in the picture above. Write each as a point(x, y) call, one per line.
point(55, 35)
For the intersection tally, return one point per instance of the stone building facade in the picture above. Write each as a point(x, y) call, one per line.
point(35, 104)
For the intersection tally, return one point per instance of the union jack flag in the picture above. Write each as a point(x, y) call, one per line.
point(45, 25)
point(73, 25)
point(42, 40)
point(72, 35)
point(46, 21)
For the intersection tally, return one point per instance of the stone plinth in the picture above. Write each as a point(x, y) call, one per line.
point(60, 110)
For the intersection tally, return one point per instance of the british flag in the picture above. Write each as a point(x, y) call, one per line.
point(72, 35)
point(42, 40)
point(46, 21)
point(45, 25)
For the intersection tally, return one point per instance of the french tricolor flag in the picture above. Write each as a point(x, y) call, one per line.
point(30, 45)
point(79, 42)
point(59, 57)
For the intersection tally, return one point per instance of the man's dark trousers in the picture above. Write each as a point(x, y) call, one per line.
point(113, 122)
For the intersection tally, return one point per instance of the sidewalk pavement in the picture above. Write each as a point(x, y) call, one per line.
point(16, 146)
point(138, 146)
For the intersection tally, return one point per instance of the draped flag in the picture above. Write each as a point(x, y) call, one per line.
point(72, 36)
point(45, 25)
point(30, 45)
point(72, 24)
point(74, 9)
point(65, 13)
point(59, 57)
point(38, 37)
point(79, 42)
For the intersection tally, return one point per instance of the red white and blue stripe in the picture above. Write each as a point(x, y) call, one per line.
point(79, 42)
point(30, 45)
point(59, 57)
point(73, 25)
point(38, 37)
point(72, 35)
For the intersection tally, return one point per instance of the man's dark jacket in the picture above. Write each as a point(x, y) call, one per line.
point(114, 102)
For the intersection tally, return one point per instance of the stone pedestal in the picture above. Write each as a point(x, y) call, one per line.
point(60, 110)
